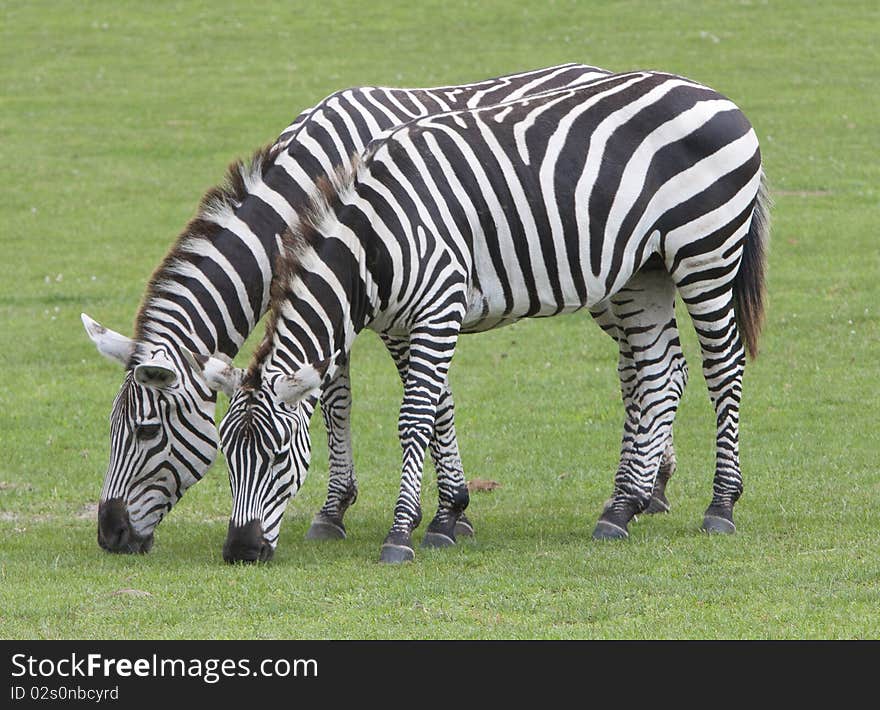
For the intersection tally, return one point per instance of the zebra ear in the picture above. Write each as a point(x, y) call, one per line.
point(110, 344)
point(218, 375)
point(305, 382)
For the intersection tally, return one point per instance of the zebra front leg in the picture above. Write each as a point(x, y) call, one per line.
point(450, 522)
point(652, 374)
point(430, 353)
point(342, 487)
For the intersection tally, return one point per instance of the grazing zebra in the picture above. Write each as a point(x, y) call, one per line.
point(610, 195)
point(213, 286)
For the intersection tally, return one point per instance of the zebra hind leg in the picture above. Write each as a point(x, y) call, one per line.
point(450, 522)
point(653, 375)
point(659, 502)
point(723, 366)
point(606, 319)
point(668, 463)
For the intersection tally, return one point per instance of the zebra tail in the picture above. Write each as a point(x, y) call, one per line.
point(749, 284)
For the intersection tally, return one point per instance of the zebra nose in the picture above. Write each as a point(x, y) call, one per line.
point(114, 528)
point(115, 533)
point(246, 543)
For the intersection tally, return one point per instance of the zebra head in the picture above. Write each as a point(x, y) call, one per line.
point(162, 438)
point(265, 439)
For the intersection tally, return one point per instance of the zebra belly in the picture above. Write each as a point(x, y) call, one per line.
point(487, 310)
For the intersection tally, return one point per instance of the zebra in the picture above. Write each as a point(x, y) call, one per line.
point(615, 195)
point(213, 286)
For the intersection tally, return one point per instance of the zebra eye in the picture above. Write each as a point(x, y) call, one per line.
point(144, 432)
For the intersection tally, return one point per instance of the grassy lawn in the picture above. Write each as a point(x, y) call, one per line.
point(116, 117)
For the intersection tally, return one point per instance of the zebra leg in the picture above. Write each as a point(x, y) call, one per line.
point(430, 354)
point(342, 487)
point(450, 521)
point(626, 373)
point(652, 373)
point(659, 502)
point(606, 319)
point(710, 306)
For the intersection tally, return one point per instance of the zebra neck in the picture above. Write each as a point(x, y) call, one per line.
point(213, 285)
point(166, 339)
point(178, 321)
point(330, 298)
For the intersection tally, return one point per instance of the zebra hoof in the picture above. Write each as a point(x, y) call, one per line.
point(324, 529)
point(658, 504)
point(463, 527)
point(719, 519)
point(437, 540)
point(609, 531)
point(396, 554)
point(716, 524)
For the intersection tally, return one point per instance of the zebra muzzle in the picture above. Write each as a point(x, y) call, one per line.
point(246, 543)
point(115, 532)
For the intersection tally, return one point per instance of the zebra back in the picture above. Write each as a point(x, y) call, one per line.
point(214, 284)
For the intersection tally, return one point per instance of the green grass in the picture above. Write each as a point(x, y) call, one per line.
point(115, 117)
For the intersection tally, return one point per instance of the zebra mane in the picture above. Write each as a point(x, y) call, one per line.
point(241, 176)
point(318, 214)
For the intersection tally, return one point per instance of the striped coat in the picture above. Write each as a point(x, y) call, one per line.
point(213, 286)
point(612, 196)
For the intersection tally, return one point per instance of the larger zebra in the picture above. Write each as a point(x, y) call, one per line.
point(213, 286)
point(615, 194)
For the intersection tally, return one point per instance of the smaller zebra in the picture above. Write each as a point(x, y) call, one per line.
point(600, 196)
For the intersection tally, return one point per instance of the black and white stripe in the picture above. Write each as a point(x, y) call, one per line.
point(611, 197)
point(213, 286)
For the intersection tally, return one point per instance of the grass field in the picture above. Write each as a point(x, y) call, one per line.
point(116, 117)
